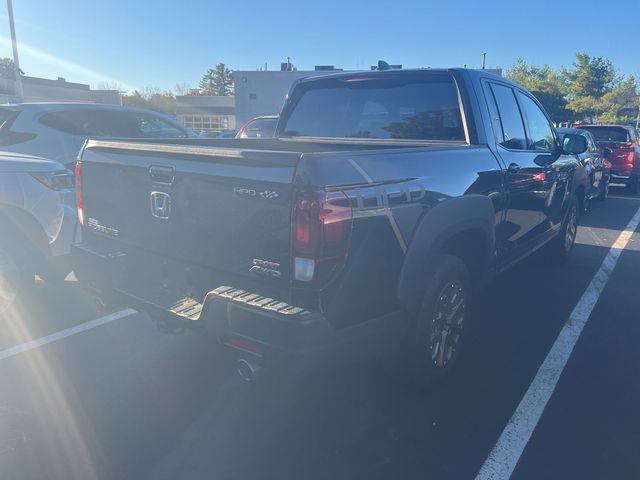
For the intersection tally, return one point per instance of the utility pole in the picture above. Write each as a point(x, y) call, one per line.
point(14, 44)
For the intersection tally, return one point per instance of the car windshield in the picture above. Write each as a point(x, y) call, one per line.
point(609, 134)
point(6, 114)
point(423, 106)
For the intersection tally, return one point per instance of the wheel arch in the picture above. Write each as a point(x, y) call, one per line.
point(20, 226)
point(463, 227)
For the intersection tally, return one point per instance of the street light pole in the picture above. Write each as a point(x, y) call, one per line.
point(14, 44)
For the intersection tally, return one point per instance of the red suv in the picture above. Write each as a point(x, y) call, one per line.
point(625, 152)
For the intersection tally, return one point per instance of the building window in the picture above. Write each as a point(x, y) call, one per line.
point(206, 122)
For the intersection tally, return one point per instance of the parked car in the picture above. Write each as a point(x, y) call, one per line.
point(365, 227)
point(227, 134)
point(57, 130)
point(259, 127)
point(218, 134)
point(595, 161)
point(37, 221)
point(625, 152)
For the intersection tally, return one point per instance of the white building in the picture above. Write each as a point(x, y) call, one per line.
point(37, 89)
point(260, 92)
point(206, 113)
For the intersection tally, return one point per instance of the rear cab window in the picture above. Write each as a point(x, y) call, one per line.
point(424, 107)
point(609, 134)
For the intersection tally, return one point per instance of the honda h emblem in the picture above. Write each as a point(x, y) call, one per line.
point(160, 205)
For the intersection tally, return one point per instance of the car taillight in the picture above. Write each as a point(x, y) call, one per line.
point(79, 192)
point(321, 234)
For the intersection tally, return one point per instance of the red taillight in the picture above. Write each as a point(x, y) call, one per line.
point(321, 234)
point(79, 192)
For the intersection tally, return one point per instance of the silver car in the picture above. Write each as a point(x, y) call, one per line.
point(57, 130)
point(38, 222)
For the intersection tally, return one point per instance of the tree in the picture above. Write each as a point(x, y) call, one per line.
point(8, 69)
point(587, 83)
point(217, 81)
point(182, 88)
point(621, 104)
point(152, 98)
point(545, 84)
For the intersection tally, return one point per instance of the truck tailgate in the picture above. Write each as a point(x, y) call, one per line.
point(219, 208)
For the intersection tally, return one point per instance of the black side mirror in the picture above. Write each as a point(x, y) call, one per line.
point(606, 152)
point(573, 144)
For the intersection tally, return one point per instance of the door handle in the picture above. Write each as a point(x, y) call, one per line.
point(513, 167)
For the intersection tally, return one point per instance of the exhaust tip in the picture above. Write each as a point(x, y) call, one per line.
point(247, 370)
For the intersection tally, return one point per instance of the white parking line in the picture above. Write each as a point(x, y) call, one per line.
point(504, 457)
point(67, 332)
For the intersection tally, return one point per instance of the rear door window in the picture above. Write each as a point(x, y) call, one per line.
point(74, 122)
point(507, 119)
point(424, 106)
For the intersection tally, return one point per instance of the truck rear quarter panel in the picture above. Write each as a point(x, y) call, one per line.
point(400, 198)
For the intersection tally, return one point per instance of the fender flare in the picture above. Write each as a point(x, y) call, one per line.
point(441, 223)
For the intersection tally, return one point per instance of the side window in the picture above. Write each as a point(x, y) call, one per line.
point(540, 131)
point(155, 127)
point(73, 122)
point(111, 123)
point(592, 145)
point(507, 118)
point(124, 124)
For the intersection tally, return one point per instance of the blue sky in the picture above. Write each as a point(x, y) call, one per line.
point(162, 43)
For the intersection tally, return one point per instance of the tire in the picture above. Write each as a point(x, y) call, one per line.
point(55, 273)
point(16, 274)
point(586, 205)
point(441, 327)
point(605, 193)
point(559, 249)
point(633, 185)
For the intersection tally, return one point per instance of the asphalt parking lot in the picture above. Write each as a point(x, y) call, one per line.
point(120, 399)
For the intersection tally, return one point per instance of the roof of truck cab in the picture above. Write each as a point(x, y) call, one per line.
point(603, 126)
point(469, 72)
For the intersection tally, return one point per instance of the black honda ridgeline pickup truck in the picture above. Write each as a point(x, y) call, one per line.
point(366, 226)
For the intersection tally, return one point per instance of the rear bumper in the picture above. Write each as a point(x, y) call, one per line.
point(622, 175)
point(266, 329)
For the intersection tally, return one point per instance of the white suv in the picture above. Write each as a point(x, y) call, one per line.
point(38, 222)
point(57, 130)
